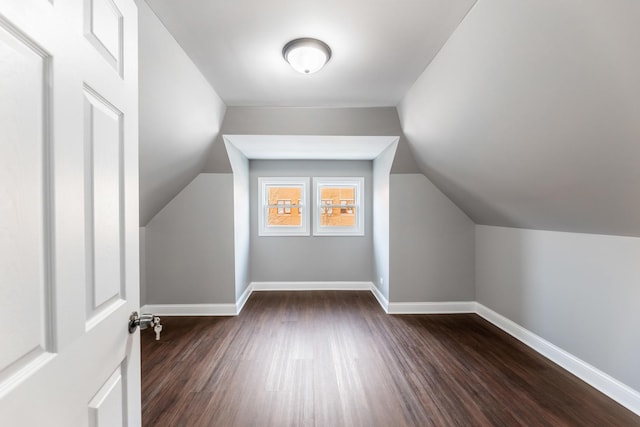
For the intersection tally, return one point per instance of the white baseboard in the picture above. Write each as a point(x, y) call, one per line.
point(382, 300)
point(446, 307)
point(234, 309)
point(311, 286)
point(190, 309)
point(243, 299)
point(613, 388)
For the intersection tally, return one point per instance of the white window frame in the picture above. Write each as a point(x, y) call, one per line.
point(263, 202)
point(319, 206)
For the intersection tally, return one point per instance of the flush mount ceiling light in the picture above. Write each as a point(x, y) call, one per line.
point(306, 55)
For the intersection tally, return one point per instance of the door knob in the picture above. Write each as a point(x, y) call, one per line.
point(146, 320)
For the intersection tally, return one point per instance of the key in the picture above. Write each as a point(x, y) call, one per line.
point(157, 329)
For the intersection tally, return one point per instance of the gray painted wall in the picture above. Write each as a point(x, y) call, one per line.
point(431, 244)
point(310, 258)
point(180, 116)
point(577, 291)
point(190, 245)
point(381, 121)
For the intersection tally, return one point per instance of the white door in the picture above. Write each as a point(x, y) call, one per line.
point(68, 213)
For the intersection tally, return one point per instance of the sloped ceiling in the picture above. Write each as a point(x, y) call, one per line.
point(530, 115)
point(180, 116)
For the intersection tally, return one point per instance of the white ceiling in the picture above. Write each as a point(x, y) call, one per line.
point(379, 47)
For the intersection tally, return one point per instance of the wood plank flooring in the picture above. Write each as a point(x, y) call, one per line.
point(334, 358)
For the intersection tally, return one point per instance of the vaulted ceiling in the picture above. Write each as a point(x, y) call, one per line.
point(379, 48)
point(525, 114)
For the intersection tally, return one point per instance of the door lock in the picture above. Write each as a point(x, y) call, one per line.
point(146, 320)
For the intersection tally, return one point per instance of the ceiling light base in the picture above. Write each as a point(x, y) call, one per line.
point(306, 55)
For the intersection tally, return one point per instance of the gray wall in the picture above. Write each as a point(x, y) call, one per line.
point(190, 245)
point(310, 258)
point(431, 244)
point(381, 121)
point(577, 291)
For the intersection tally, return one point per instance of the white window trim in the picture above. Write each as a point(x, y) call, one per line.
point(282, 230)
point(323, 230)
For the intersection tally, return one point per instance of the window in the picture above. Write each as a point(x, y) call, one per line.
point(327, 207)
point(284, 207)
point(339, 207)
point(278, 215)
point(346, 207)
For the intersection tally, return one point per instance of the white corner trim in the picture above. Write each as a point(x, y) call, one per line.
point(311, 286)
point(608, 385)
point(243, 299)
point(190, 309)
point(382, 300)
point(446, 307)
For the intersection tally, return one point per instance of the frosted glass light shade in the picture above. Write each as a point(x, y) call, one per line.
point(306, 55)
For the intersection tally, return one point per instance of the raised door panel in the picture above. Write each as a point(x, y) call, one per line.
point(106, 409)
point(104, 215)
point(24, 229)
point(103, 28)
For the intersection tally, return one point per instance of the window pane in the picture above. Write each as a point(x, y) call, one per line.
point(284, 206)
point(337, 208)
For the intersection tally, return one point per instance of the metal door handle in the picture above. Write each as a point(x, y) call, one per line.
point(146, 320)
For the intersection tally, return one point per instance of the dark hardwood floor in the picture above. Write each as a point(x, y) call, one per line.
point(336, 359)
